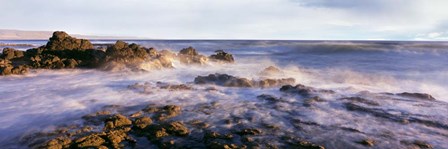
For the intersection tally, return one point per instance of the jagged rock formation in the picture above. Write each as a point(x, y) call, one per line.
point(62, 41)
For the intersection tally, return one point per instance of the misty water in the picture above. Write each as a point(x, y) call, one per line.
point(44, 99)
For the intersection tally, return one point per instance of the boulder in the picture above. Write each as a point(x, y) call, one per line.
point(222, 56)
point(303, 90)
point(177, 128)
point(117, 121)
point(62, 41)
point(271, 70)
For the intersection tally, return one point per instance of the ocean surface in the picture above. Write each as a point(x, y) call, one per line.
point(44, 99)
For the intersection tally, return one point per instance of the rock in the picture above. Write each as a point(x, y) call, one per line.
point(271, 70)
point(6, 68)
point(174, 87)
point(269, 98)
point(303, 90)
point(97, 117)
point(232, 81)
point(422, 96)
point(361, 100)
point(222, 56)
point(10, 53)
point(62, 41)
point(58, 143)
point(90, 141)
point(70, 63)
point(143, 122)
point(177, 128)
point(190, 56)
point(308, 102)
point(117, 121)
point(115, 137)
point(422, 144)
point(276, 82)
point(249, 131)
point(223, 80)
point(168, 111)
point(308, 145)
point(367, 142)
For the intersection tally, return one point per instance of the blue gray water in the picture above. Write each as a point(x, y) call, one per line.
point(45, 98)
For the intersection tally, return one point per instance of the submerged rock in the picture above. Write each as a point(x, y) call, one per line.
point(222, 56)
point(422, 96)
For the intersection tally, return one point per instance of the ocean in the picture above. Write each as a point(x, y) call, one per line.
point(45, 99)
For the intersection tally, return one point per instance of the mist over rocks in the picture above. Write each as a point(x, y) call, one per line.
point(65, 52)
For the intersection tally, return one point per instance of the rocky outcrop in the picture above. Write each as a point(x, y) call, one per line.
point(191, 56)
point(62, 41)
point(232, 81)
point(221, 56)
point(10, 53)
point(6, 68)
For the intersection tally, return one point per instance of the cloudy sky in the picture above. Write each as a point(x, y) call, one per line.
point(234, 19)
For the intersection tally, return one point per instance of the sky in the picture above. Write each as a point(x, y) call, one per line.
point(234, 19)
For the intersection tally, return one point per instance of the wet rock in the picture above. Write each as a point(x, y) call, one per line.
point(422, 96)
point(367, 142)
point(232, 81)
point(308, 145)
point(177, 128)
point(62, 41)
point(308, 102)
point(190, 56)
point(93, 140)
point(115, 137)
point(168, 111)
point(58, 143)
point(361, 100)
point(269, 98)
point(249, 131)
point(222, 56)
point(96, 118)
point(174, 87)
point(117, 121)
point(422, 144)
point(143, 122)
point(303, 90)
point(223, 80)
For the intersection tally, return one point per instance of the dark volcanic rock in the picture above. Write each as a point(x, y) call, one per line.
point(422, 96)
point(232, 81)
point(62, 41)
point(222, 56)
